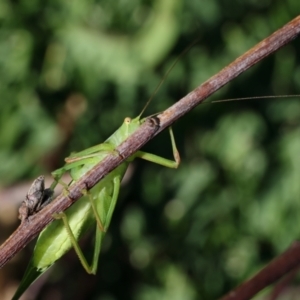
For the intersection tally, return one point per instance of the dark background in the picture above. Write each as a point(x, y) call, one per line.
point(71, 71)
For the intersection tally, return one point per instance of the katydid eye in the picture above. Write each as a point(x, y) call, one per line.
point(127, 120)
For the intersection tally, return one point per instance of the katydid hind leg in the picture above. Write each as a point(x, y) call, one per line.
point(103, 223)
point(97, 248)
point(112, 204)
point(90, 269)
point(96, 214)
point(106, 210)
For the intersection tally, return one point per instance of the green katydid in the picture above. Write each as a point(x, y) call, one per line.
point(95, 205)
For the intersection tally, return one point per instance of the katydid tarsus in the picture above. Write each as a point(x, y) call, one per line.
point(96, 204)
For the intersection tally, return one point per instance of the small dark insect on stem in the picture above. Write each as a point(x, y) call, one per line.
point(36, 198)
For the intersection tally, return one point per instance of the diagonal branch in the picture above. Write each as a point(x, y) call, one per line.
point(152, 126)
point(279, 267)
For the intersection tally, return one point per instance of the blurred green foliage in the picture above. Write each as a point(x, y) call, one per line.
point(72, 70)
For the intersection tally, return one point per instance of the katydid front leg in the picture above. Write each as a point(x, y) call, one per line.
point(161, 160)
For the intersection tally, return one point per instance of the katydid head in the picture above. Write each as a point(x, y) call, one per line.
point(127, 128)
point(131, 125)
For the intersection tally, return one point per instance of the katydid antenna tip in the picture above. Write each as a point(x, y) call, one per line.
point(255, 97)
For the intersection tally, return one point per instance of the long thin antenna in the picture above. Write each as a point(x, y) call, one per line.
point(255, 97)
point(168, 72)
